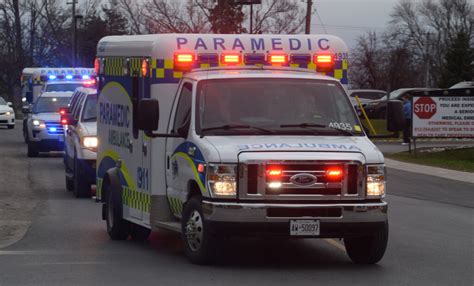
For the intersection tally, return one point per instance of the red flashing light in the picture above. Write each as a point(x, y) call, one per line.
point(278, 59)
point(273, 172)
point(88, 83)
point(64, 121)
point(201, 168)
point(324, 62)
point(144, 68)
point(334, 173)
point(96, 65)
point(183, 58)
point(231, 58)
point(62, 111)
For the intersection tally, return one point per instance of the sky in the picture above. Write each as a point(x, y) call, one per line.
point(349, 19)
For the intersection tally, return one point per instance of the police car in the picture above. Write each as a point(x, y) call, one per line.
point(44, 132)
point(233, 135)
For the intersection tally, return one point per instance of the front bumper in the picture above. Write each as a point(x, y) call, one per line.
point(7, 119)
point(351, 219)
point(46, 145)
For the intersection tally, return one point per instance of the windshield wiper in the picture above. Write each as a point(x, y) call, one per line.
point(310, 125)
point(238, 126)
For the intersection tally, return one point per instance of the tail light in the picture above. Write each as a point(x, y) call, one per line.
point(64, 120)
point(96, 65)
point(62, 111)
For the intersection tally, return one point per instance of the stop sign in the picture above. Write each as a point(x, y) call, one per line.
point(424, 107)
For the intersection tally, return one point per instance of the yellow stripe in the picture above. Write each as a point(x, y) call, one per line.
point(191, 163)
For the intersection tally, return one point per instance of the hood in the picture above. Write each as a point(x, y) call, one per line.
point(5, 108)
point(89, 128)
point(50, 116)
point(229, 147)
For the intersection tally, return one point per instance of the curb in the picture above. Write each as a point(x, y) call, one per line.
point(17, 230)
point(431, 171)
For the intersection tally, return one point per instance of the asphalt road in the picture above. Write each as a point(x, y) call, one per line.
point(431, 239)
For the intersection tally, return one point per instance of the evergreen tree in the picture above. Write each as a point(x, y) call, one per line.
point(458, 62)
point(116, 24)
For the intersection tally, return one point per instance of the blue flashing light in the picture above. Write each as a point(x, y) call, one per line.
point(69, 76)
point(53, 129)
point(52, 76)
point(85, 76)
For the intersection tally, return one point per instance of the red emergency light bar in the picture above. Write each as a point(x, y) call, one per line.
point(231, 58)
point(324, 62)
point(183, 58)
point(277, 58)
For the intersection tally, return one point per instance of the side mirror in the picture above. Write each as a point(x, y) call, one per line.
point(148, 114)
point(9, 104)
point(395, 118)
point(67, 119)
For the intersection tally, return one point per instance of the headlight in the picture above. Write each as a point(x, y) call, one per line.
point(8, 113)
point(221, 179)
point(39, 123)
point(375, 181)
point(90, 142)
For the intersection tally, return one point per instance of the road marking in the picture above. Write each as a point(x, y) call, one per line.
point(24, 252)
point(336, 244)
point(66, 263)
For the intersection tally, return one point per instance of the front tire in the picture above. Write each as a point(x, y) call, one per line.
point(368, 249)
point(199, 244)
point(82, 189)
point(117, 227)
point(69, 184)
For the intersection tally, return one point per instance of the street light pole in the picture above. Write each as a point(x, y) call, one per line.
point(73, 33)
point(309, 4)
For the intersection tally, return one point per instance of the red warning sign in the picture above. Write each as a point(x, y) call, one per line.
point(424, 107)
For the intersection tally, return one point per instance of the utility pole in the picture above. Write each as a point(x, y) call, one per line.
point(74, 41)
point(309, 4)
point(427, 72)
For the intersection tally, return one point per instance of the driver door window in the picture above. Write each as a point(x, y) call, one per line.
point(183, 110)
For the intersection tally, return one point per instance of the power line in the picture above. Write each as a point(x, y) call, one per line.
point(321, 21)
point(348, 27)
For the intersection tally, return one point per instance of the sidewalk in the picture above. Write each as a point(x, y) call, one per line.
point(432, 171)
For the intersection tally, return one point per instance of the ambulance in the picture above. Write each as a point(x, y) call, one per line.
point(34, 79)
point(217, 136)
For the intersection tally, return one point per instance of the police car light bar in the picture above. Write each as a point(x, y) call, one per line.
point(183, 58)
point(69, 76)
point(52, 77)
point(231, 58)
point(85, 76)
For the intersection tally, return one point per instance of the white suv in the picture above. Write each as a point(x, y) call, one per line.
point(81, 142)
point(7, 114)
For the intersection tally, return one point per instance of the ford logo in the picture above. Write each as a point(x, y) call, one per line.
point(303, 179)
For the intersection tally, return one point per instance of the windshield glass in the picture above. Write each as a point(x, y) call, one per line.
point(50, 104)
point(63, 86)
point(273, 106)
point(2, 101)
point(90, 108)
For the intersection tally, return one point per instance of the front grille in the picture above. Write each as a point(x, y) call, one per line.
point(3, 121)
point(300, 180)
point(54, 128)
point(304, 212)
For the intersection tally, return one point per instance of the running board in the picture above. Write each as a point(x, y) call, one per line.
point(169, 225)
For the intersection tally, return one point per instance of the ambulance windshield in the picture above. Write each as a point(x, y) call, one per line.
point(253, 106)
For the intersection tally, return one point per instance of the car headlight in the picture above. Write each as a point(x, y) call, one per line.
point(221, 179)
point(90, 142)
point(8, 113)
point(39, 123)
point(375, 181)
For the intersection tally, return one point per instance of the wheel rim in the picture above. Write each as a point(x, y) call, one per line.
point(194, 231)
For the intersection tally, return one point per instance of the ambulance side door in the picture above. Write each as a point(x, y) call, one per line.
point(178, 167)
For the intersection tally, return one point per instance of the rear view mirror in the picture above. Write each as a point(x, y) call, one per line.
point(9, 104)
point(395, 118)
point(148, 114)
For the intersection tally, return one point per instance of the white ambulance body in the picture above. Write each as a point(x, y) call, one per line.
point(242, 148)
point(33, 79)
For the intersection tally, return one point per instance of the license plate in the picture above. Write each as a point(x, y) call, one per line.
point(304, 227)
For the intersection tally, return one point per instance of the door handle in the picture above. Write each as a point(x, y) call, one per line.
point(144, 148)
